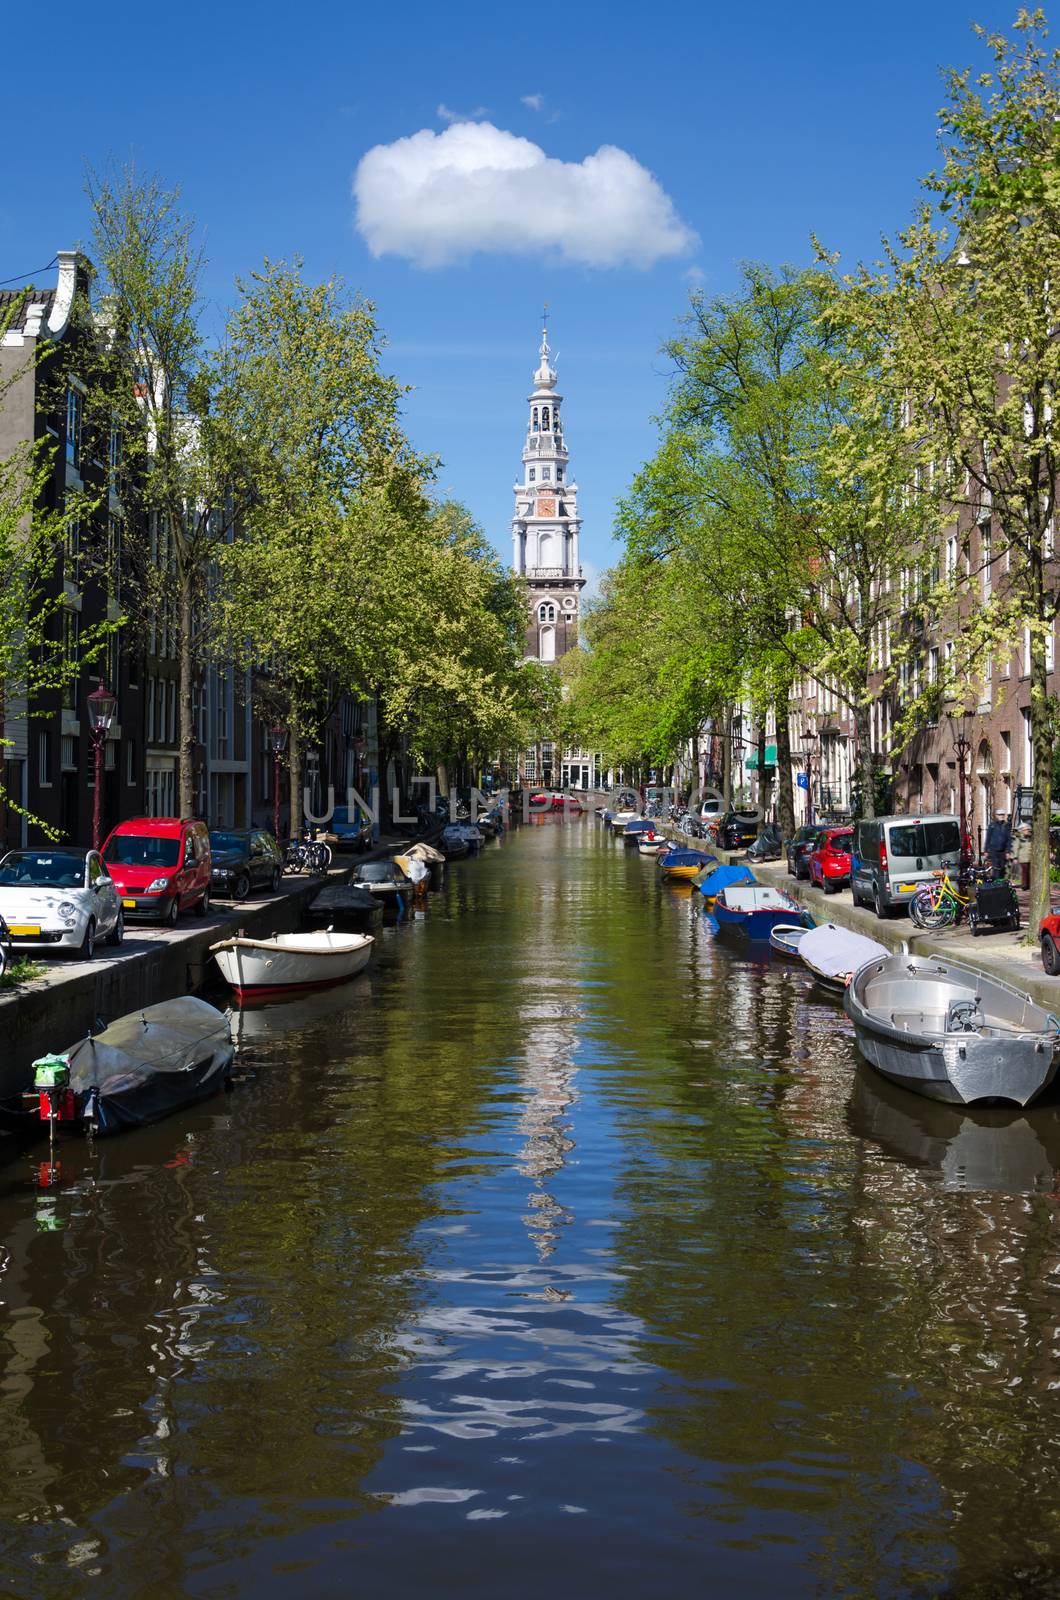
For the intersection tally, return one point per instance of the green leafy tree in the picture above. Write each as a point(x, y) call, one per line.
point(974, 332)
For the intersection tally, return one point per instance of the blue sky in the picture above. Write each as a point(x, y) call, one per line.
point(758, 124)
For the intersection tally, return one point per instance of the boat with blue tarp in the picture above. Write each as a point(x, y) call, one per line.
point(726, 874)
point(753, 910)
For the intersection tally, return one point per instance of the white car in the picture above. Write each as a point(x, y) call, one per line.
point(59, 899)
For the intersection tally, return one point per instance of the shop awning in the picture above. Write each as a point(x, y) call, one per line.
point(771, 758)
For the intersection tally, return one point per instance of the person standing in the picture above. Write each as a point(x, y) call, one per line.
point(1023, 854)
point(997, 842)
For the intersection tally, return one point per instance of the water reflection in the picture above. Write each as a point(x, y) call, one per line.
point(567, 1249)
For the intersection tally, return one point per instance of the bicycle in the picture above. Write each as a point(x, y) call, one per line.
point(307, 855)
point(941, 904)
point(6, 953)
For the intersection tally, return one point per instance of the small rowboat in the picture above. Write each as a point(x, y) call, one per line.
point(291, 963)
point(951, 1033)
point(682, 866)
point(785, 939)
point(752, 910)
point(652, 844)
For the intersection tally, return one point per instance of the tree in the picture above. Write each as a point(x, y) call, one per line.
point(316, 579)
point(191, 473)
point(976, 348)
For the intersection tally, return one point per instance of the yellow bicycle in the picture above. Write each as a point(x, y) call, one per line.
point(940, 904)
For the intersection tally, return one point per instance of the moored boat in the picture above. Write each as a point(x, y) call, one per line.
point(382, 878)
point(639, 825)
point(138, 1069)
point(682, 865)
point(723, 875)
point(453, 844)
point(752, 910)
point(338, 901)
point(291, 963)
point(652, 844)
point(834, 954)
point(786, 937)
point(621, 819)
point(951, 1033)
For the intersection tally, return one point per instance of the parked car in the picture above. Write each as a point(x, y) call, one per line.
point(829, 860)
point(61, 899)
point(161, 866)
point(710, 810)
point(895, 855)
point(352, 833)
point(242, 860)
point(736, 829)
point(800, 847)
point(1049, 938)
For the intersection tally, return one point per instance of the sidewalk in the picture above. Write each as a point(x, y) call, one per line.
point(1002, 954)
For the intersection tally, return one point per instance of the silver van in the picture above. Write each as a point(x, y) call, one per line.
point(893, 856)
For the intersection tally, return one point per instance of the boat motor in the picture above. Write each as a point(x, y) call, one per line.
point(51, 1081)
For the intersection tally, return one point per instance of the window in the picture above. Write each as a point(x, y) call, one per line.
point(130, 762)
point(535, 422)
point(559, 474)
point(113, 557)
point(72, 550)
point(75, 401)
point(44, 760)
point(546, 472)
point(1006, 752)
point(71, 634)
point(68, 753)
point(951, 556)
point(1028, 747)
point(533, 474)
point(986, 557)
point(150, 710)
point(547, 651)
point(544, 418)
point(546, 613)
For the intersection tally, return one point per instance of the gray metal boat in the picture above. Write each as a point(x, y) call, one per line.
point(951, 1033)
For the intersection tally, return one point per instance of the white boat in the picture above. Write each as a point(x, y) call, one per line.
point(291, 963)
point(621, 818)
point(951, 1033)
point(652, 844)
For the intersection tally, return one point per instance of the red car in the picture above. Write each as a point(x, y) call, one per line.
point(161, 866)
point(830, 860)
point(1049, 935)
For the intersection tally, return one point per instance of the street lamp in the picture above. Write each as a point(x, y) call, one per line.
point(961, 747)
point(278, 742)
point(102, 704)
point(805, 755)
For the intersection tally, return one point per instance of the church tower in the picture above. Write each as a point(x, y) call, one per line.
point(545, 527)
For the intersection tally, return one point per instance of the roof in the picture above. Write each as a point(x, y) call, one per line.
point(21, 300)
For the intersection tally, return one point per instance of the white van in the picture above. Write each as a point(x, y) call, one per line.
point(893, 856)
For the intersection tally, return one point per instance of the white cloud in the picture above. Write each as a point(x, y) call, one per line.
point(535, 102)
point(694, 274)
point(446, 113)
point(435, 198)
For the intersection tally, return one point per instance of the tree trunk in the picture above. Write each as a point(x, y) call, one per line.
point(785, 792)
point(726, 759)
point(294, 778)
point(697, 776)
point(866, 759)
point(186, 730)
point(1042, 742)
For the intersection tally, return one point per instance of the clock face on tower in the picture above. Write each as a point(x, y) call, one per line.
point(546, 507)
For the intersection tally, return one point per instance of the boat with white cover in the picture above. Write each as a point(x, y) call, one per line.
point(291, 963)
point(953, 1034)
point(834, 954)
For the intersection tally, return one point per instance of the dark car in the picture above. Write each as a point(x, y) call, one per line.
point(737, 829)
point(244, 859)
point(801, 846)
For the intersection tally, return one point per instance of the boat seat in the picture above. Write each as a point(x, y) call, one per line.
point(918, 1021)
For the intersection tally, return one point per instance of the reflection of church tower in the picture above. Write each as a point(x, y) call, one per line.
point(545, 530)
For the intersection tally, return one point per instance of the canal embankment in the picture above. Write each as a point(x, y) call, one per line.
point(71, 998)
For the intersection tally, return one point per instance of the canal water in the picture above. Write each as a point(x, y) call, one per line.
point(568, 1254)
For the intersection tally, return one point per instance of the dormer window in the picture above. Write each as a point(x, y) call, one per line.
point(533, 474)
